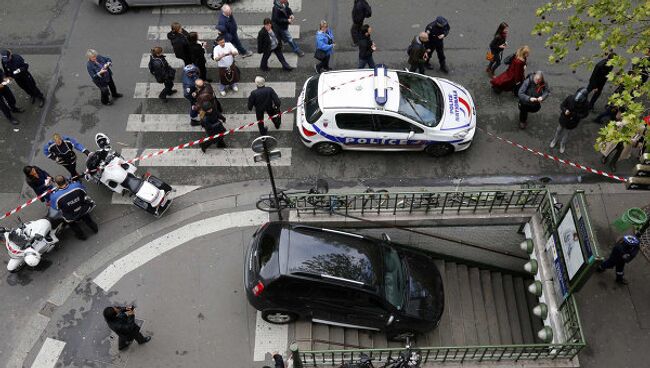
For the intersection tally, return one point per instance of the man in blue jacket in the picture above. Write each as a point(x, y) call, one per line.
point(99, 69)
point(61, 150)
point(15, 66)
point(623, 252)
point(71, 199)
point(227, 27)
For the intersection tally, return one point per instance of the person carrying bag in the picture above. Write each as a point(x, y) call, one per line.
point(163, 73)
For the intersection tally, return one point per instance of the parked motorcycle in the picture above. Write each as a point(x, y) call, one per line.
point(27, 243)
point(109, 168)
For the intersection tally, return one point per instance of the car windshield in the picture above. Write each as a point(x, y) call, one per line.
point(420, 99)
point(393, 278)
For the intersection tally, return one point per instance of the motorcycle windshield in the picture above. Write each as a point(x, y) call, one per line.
point(18, 240)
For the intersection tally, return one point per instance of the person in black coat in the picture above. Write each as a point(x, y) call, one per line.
point(197, 55)
point(264, 100)
point(366, 48)
point(599, 78)
point(360, 11)
point(179, 39)
point(623, 252)
point(39, 180)
point(437, 31)
point(15, 66)
point(8, 101)
point(121, 320)
point(212, 121)
point(164, 73)
point(268, 42)
point(573, 109)
point(282, 16)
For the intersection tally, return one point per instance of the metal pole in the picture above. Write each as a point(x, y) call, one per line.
point(268, 165)
point(295, 355)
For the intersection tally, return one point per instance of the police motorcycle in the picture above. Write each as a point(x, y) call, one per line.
point(27, 243)
point(109, 168)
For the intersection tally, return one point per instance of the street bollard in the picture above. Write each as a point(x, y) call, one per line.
point(295, 355)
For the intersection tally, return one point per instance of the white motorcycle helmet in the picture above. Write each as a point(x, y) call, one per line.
point(102, 140)
point(32, 258)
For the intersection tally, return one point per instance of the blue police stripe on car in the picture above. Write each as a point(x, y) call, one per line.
point(377, 141)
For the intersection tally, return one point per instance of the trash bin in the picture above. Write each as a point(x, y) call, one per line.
point(634, 217)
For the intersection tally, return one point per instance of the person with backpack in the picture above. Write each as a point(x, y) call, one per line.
point(573, 109)
point(360, 11)
point(437, 32)
point(497, 45)
point(163, 73)
point(179, 38)
point(417, 53)
point(510, 79)
point(532, 93)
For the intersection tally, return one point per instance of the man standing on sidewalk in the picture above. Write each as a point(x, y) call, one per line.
point(121, 320)
point(264, 100)
point(227, 27)
point(360, 11)
point(623, 252)
point(15, 66)
point(61, 150)
point(8, 101)
point(366, 48)
point(282, 16)
point(99, 69)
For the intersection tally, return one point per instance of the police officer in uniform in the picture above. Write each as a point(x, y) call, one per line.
point(264, 100)
point(74, 204)
point(61, 149)
point(437, 31)
point(623, 252)
point(8, 101)
point(15, 66)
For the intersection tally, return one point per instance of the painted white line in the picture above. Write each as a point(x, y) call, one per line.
point(193, 157)
point(118, 269)
point(250, 62)
point(48, 356)
point(209, 32)
point(181, 122)
point(180, 190)
point(152, 90)
point(245, 6)
point(269, 338)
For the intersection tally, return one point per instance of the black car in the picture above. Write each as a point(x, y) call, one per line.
point(343, 279)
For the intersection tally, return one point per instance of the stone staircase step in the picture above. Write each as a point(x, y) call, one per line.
point(434, 338)
point(513, 312)
point(524, 311)
point(490, 308)
point(467, 306)
point(337, 338)
point(454, 299)
point(502, 308)
point(480, 313)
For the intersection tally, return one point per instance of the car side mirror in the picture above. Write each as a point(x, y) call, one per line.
point(390, 321)
point(385, 237)
point(411, 134)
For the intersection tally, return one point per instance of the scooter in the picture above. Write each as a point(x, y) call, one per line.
point(27, 243)
point(109, 168)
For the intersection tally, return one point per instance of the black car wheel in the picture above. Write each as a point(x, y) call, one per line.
point(327, 149)
point(439, 149)
point(213, 4)
point(114, 6)
point(401, 336)
point(278, 317)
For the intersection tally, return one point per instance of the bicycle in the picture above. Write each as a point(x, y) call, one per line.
point(407, 358)
point(268, 204)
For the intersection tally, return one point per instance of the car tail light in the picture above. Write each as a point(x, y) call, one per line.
point(308, 133)
point(257, 289)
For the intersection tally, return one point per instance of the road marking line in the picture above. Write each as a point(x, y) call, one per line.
point(269, 338)
point(181, 122)
point(180, 190)
point(152, 90)
point(245, 6)
point(130, 262)
point(229, 157)
point(49, 354)
point(250, 62)
point(208, 32)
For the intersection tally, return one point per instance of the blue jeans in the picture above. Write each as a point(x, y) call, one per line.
point(286, 37)
point(368, 61)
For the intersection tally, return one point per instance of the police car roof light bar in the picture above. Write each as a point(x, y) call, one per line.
point(381, 90)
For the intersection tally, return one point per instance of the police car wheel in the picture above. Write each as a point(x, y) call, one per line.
point(327, 149)
point(114, 6)
point(439, 150)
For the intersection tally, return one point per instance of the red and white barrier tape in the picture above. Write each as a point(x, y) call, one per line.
point(192, 143)
point(557, 159)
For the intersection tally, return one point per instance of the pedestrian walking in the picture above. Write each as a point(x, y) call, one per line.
point(573, 109)
point(497, 45)
point(281, 17)
point(268, 42)
point(599, 78)
point(74, 204)
point(366, 48)
point(417, 53)
point(514, 75)
point(8, 101)
point(437, 31)
point(179, 38)
point(532, 93)
point(99, 69)
point(121, 320)
point(623, 252)
point(360, 11)
point(39, 180)
point(324, 47)
point(227, 27)
point(15, 66)
point(264, 100)
point(613, 151)
point(190, 75)
point(197, 55)
point(205, 93)
point(61, 150)
point(224, 54)
point(163, 73)
point(212, 122)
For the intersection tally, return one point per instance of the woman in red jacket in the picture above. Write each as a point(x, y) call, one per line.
point(507, 80)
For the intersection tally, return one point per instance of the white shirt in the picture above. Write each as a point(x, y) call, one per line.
point(226, 61)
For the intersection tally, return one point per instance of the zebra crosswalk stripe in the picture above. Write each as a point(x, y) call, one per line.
point(179, 190)
point(152, 90)
point(243, 6)
point(249, 62)
point(206, 32)
point(181, 123)
point(193, 157)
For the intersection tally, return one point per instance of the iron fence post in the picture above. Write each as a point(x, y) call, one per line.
point(295, 355)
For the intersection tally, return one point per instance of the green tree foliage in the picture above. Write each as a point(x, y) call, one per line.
point(619, 25)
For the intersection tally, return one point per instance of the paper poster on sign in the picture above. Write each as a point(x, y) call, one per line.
point(570, 242)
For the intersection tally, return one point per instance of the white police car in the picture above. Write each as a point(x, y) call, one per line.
point(384, 109)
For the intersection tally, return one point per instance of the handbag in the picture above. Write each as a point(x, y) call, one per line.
point(489, 56)
point(508, 59)
point(320, 55)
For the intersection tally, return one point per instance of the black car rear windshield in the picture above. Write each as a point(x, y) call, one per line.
point(321, 252)
point(312, 111)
